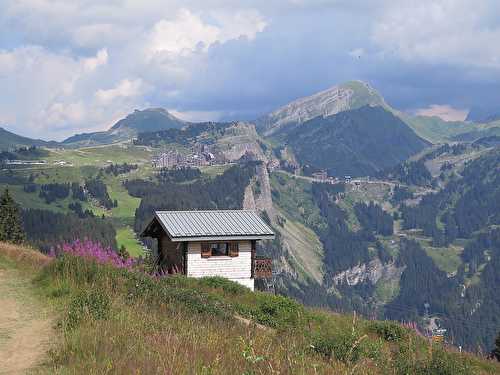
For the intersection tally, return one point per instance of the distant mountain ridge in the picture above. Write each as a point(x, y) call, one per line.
point(340, 98)
point(148, 120)
point(483, 115)
point(349, 96)
point(10, 141)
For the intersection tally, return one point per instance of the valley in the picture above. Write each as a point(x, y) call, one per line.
point(372, 207)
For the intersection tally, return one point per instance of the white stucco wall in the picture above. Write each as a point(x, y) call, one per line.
point(237, 269)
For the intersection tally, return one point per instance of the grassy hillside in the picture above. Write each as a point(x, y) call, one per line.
point(65, 166)
point(298, 214)
point(117, 321)
point(436, 130)
point(68, 166)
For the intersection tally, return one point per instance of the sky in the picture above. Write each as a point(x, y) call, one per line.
point(73, 66)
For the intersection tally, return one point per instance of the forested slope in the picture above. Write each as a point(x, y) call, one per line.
point(359, 142)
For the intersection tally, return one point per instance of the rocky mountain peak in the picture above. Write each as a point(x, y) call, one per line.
point(350, 95)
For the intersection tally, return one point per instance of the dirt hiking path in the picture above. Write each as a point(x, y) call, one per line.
point(25, 328)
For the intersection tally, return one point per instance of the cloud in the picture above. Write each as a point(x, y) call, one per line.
point(92, 63)
point(125, 89)
point(445, 112)
point(74, 73)
point(73, 66)
point(7, 63)
point(447, 31)
point(357, 52)
point(60, 114)
point(52, 95)
point(186, 33)
point(196, 116)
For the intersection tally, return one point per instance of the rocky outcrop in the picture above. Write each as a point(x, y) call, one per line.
point(238, 140)
point(264, 200)
point(249, 199)
point(325, 103)
point(372, 271)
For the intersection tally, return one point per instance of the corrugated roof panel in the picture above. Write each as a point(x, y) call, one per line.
point(230, 223)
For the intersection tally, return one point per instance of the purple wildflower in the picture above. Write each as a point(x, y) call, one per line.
point(94, 250)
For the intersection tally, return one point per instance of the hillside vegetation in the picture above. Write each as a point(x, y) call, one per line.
point(115, 320)
point(359, 142)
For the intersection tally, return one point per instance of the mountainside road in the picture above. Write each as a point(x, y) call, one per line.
point(25, 328)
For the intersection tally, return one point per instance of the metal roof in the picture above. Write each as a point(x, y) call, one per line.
point(207, 225)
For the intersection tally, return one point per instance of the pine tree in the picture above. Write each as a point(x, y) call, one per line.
point(496, 351)
point(11, 227)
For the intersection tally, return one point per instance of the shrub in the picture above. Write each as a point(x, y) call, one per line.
point(444, 363)
point(341, 346)
point(226, 285)
point(346, 346)
point(389, 331)
point(438, 362)
point(160, 291)
point(94, 304)
point(273, 311)
point(59, 291)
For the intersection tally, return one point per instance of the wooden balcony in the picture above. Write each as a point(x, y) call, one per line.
point(262, 268)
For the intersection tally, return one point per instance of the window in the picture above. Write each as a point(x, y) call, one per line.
point(219, 249)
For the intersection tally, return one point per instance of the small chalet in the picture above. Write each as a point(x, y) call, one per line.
point(211, 243)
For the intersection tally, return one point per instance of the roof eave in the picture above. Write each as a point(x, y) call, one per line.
point(222, 238)
point(157, 219)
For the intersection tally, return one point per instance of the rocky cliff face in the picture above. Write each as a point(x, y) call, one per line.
point(326, 103)
point(264, 200)
point(372, 271)
point(238, 140)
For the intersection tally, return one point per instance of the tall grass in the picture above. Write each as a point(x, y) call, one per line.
point(23, 255)
point(117, 321)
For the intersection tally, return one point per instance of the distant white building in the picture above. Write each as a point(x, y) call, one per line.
point(25, 162)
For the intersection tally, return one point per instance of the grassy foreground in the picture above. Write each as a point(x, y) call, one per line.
point(121, 322)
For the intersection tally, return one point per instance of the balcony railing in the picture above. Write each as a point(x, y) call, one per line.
point(263, 268)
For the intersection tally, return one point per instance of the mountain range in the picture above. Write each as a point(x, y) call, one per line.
point(341, 98)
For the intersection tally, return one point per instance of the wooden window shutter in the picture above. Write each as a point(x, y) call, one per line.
point(206, 251)
point(233, 249)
